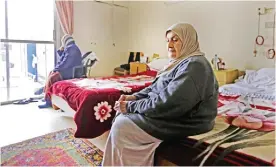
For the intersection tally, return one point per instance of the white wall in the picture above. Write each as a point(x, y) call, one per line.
point(224, 28)
point(93, 24)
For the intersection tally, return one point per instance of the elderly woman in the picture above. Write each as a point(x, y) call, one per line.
point(69, 57)
point(181, 102)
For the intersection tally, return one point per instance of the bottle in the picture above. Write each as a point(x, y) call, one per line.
point(216, 61)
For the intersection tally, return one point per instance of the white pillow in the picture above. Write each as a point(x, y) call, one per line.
point(263, 78)
point(158, 64)
point(269, 72)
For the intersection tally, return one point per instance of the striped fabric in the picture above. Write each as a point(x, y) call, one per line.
point(66, 39)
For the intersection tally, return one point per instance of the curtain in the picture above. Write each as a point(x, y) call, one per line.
point(66, 15)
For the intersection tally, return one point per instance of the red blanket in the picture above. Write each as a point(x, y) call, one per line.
point(93, 99)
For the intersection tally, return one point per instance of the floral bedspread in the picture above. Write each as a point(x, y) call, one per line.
point(93, 99)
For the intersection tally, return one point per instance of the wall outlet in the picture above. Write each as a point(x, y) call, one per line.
point(269, 25)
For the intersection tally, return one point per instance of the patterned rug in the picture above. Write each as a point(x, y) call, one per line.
point(54, 149)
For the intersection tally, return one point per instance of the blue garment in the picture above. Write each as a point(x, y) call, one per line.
point(69, 58)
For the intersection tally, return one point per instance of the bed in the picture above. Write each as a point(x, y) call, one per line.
point(236, 140)
point(90, 101)
point(244, 132)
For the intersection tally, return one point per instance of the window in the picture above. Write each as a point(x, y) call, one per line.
point(31, 20)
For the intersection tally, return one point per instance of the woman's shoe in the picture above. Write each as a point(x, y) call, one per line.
point(47, 104)
point(25, 101)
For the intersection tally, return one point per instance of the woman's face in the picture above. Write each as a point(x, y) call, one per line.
point(174, 45)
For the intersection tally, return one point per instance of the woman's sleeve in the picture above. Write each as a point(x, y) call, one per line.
point(143, 93)
point(60, 52)
point(67, 59)
point(181, 91)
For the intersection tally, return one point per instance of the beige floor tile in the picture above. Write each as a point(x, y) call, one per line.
point(22, 122)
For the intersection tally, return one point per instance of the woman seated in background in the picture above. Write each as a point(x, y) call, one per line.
point(70, 57)
point(181, 102)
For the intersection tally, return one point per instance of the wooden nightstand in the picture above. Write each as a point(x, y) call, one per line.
point(136, 67)
point(226, 76)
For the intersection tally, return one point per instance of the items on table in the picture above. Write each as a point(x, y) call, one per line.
point(218, 63)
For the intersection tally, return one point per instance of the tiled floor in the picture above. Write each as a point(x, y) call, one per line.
point(22, 122)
